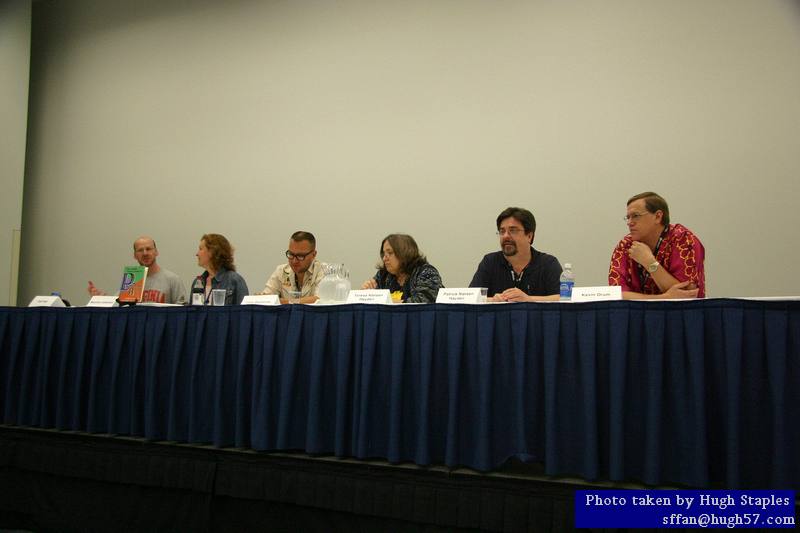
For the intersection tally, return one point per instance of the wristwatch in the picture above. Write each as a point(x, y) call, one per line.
point(652, 267)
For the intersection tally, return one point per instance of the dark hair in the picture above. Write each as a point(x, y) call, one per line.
point(221, 251)
point(653, 202)
point(405, 249)
point(298, 236)
point(523, 215)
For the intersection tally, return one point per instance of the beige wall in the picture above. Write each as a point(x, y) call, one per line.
point(354, 119)
point(15, 47)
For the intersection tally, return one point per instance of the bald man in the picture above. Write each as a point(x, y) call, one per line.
point(161, 285)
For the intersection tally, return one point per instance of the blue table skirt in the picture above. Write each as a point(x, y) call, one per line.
point(697, 393)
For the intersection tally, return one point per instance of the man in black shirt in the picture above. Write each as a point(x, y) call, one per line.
point(518, 272)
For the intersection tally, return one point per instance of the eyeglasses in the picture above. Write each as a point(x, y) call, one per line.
point(634, 216)
point(511, 231)
point(299, 257)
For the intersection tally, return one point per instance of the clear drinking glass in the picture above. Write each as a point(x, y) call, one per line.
point(218, 296)
point(294, 297)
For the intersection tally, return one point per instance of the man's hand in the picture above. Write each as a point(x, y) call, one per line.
point(513, 295)
point(684, 289)
point(370, 284)
point(94, 291)
point(641, 253)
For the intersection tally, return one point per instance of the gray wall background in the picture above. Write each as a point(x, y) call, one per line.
point(15, 37)
point(354, 119)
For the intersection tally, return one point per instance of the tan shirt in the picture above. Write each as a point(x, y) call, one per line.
point(284, 280)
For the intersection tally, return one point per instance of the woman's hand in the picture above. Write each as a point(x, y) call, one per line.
point(370, 284)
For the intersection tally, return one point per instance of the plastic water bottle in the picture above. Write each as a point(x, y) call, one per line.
point(567, 281)
point(198, 292)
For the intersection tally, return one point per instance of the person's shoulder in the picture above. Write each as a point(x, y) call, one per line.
point(492, 258)
point(282, 268)
point(225, 273)
point(317, 267)
point(237, 279)
point(168, 273)
point(316, 271)
point(679, 230)
point(426, 269)
point(624, 242)
point(545, 259)
point(544, 256)
point(681, 234)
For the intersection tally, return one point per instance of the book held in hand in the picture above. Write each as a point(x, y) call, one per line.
point(132, 287)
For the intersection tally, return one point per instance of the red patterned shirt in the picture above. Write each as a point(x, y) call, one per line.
point(681, 254)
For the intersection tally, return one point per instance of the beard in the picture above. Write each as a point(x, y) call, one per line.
point(509, 248)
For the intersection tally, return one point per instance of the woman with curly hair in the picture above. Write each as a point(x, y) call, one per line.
point(215, 255)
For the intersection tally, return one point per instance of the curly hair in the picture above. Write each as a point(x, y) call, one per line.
point(221, 251)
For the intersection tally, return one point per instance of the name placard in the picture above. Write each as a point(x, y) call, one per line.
point(466, 295)
point(369, 296)
point(261, 299)
point(596, 294)
point(103, 301)
point(46, 301)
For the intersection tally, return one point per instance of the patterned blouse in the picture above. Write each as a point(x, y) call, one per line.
point(421, 286)
point(681, 254)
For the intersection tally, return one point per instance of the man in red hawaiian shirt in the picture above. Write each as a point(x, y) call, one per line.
point(657, 259)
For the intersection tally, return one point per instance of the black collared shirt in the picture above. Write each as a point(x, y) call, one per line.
point(539, 278)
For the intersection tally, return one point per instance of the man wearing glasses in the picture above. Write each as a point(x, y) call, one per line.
point(302, 273)
point(657, 259)
point(518, 272)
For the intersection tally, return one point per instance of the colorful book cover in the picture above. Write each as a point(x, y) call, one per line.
point(132, 287)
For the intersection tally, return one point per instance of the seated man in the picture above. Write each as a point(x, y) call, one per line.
point(657, 259)
point(518, 272)
point(302, 273)
point(161, 285)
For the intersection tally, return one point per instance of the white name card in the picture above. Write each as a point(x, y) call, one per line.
point(466, 295)
point(596, 294)
point(103, 301)
point(369, 296)
point(46, 301)
point(261, 299)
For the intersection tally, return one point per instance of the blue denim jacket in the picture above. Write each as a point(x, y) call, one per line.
point(232, 282)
